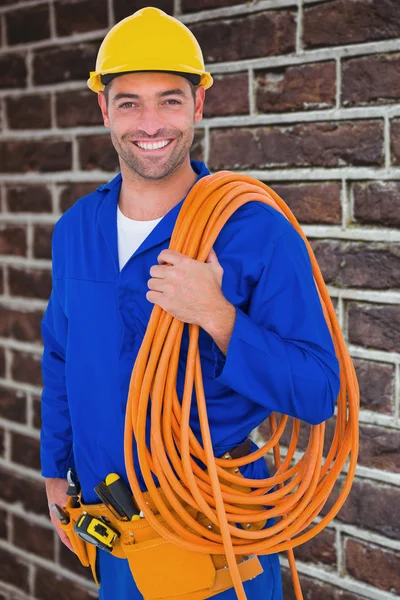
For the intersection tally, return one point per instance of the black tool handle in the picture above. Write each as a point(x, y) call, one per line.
point(122, 495)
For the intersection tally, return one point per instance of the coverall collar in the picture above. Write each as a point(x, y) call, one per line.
point(108, 217)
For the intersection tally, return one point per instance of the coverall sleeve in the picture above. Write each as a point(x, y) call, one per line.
point(56, 434)
point(281, 354)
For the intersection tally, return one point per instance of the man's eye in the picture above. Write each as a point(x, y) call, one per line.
point(126, 105)
point(174, 101)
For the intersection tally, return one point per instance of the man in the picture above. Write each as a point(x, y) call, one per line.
point(264, 343)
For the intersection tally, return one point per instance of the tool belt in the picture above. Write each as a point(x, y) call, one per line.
point(162, 570)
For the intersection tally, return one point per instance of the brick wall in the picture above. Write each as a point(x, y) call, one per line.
point(307, 99)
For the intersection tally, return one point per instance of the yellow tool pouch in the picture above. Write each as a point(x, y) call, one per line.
point(161, 570)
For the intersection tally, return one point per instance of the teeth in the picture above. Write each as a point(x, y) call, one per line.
point(154, 146)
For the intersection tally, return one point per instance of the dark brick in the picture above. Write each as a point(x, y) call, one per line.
point(371, 80)
point(48, 586)
point(12, 71)
point(229, 95)
point(124, 8)
point(29, 112)
point(379, 448)
point(25, 450)
point(12, 240)
point(262, 34)
point(28, 24)
point(2, 363)
point(65, 63)
point(376, 381)
point(371, 506)
point(33, 538)
point(374, 565)
point(24, 326)
point(311, 202)
point(321, 549)
point(350, 21)
point(73, 191)
point(374, 326)
point(28, 198)
point(37, 412)
point(197, 149)
point(195, 5)
point(300, 87)
point(12, 405)
point(45, 155)
point(3, 525)
point(395, 141)
point(311, 144)
point(97, 152)
point(31, 283)
point(14, 570)
point(42, 235)
point(2, 442)
point(377, 202)
point(359, 265)
point(78, 16)
point(26, 367)
point(313, 589)
point(28, 493)
point(75, 109)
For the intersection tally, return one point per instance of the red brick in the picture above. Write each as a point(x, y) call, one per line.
point(350, 22)
point(374, 326)
point(73, 191)
point(188, 6)
point(124, 8)
point(26, 367)
point(300, 87)
point(30, 283)
point(14, 570)
point(28, 198)
point(371, 506)
point(24, 326)
point(376, 382)
point(12, 405)
point(65, 63)
point(12, 71)
point(2, 363)
point(78, 16)
point(3, 525)
point(359, 265)
point(37, 412)
point(311, 144)
point(2, 442)
point(42, 235)
point(76, 109)
point(229, 95)
point(29, 112)
point(371, 80)
point(29, 493)
point(197, 149)
point(25, 450)
point(12, 240)
point(261, 34)
point(45, 155)
point(33, 538)
point(28, 25)
point(311, 202)
point(321, 549)
point(48, 586)
point(379, 448)
point(97, 152)
point(313, 589)
point(395, 141)
point(376, 203)
point(373, 565)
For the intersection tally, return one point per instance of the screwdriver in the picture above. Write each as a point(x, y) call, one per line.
point(122, 496)
point(61, 515)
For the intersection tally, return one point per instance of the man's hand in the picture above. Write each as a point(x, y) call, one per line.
point(56, 490)
point(188, 289)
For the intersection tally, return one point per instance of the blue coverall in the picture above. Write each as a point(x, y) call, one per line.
point(280, 356)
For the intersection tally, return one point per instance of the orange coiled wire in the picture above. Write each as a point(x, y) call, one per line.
point(303, 487)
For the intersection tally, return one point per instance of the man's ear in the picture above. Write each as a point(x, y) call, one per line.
point(200, 97)
point(101, 99)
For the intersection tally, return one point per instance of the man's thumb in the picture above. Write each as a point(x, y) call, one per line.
point(212, 257)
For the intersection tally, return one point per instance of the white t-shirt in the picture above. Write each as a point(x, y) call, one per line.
point(131, 234)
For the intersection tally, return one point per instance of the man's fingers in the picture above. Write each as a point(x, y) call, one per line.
point(61, 533)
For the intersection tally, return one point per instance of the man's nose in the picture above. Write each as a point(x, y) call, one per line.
point(150, 121)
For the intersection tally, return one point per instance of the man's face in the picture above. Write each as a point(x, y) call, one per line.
point(151, 117)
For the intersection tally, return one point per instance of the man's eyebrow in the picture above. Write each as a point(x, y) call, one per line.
point(175, 92)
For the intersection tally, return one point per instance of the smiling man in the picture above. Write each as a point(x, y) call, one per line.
point(264, 343)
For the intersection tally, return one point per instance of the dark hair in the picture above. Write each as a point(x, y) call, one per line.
point(106, 90)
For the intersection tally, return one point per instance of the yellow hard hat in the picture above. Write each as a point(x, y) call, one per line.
point(149, 40)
